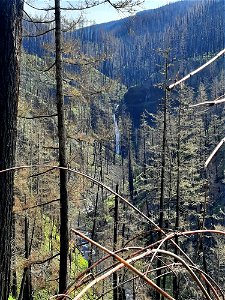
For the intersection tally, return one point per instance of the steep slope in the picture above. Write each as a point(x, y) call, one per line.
point(134, 46)
point(192, 30)
point(90, 146)
point(194, 34)
point(189, 28)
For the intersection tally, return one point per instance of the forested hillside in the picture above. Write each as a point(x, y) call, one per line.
point(191, 29)
point(119, 183)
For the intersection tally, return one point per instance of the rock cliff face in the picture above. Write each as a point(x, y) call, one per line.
point(141, 99)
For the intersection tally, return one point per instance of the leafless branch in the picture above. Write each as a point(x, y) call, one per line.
point(214, 152)
point(118, 285)
point(205, 276)
point(94, 181)
point(41, 173)
point(195, 278)
point(80, 277)
point(135, 277)
point(210, 103)
point(29, 17)
point(51, 147)
point(39, 262)
point(169, 237)
point(86, 5)
point(61, 295)
point(37, 8)
point(72, 25)
point(123, 262)
point(108, 189)
point(127, 5)
point(170, 87)
point(38, 21)
point(191, 232)
point(37, 205)
point(48, 69)
point(38, 117)
point(126, 263)
point(39, 34)
point(210, 279)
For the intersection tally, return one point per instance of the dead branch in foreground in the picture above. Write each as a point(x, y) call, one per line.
point(171, 86)
point(126, 263)
point(123, 262)
point(214, 152)
point(210, 103)
point(148, 252)
point(215, 288)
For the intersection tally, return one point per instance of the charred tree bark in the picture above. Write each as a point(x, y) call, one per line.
point(93, 231)
point(64, 234)
point(14, 274)
point(118, 291)
point(26, 286)
point(10, 41)
point(130, 176)
point(115, 238)
point(177, 215)
point(163, 166)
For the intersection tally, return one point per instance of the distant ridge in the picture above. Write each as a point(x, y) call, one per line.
point(192, 29)
point(188, 28)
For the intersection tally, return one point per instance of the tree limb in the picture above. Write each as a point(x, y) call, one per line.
point(39, 34)
point(97, 182)
point(214, 152)
point(170, 87)
point(210, 103)
point(37, 205)
point(123, 262)
point(38, 117)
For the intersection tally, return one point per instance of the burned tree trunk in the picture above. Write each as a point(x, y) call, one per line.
point(10, 41)
point(64, 235)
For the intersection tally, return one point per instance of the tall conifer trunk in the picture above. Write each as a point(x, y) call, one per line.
point(163, 167)
point(64, 236)
point(10, 41)
point(115, 239)
point(177, 213)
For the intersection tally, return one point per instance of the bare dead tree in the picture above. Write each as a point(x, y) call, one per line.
point(64, 235)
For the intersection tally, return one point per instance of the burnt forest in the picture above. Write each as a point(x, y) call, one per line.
point(112, 156)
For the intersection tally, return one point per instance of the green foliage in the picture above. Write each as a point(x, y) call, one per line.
point(42, 295)
point(78, 263)
point(50, 244)
point(50, 234)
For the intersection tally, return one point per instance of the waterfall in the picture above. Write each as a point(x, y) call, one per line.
point(117, 133)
